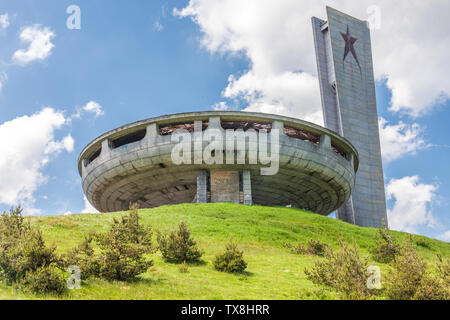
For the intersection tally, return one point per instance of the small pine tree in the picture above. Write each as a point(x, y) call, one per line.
point(231, 260)
point(409, 279)
point(408, 270)
point(344, 270)
point(85, 258)
point(178, 246)
point(443, 270)
point(45, 280)
point(25, 259)
point(123, 248)
point(312, 247)
point(386, 249)
point(432, 288)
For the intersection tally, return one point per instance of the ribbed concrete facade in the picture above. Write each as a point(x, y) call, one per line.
point(316, 165)
point(344, 61)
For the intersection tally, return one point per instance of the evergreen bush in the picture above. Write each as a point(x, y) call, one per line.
point(231, 260)
point(178, 245)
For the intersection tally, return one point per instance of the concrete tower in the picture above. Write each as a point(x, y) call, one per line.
point(345, 70)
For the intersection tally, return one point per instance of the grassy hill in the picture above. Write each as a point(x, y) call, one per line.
point(273, 271)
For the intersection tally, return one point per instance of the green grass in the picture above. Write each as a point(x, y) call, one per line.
point(273, 271)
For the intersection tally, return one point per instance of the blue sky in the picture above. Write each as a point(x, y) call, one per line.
point(138, 59)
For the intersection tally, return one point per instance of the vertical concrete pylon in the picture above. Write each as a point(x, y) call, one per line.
point(347, 87)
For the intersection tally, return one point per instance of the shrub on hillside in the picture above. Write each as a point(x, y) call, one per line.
point(432, 288)
point(386, 249)
point(85, 258)
point(420, 242)
point(123, 248)
point(24, 257)
point(443, 270)
point(231, 260)
point(45, 280)
point(312, 247)
point(344, 270)
point(409, 279)
point(178, 246)
point(407, 272)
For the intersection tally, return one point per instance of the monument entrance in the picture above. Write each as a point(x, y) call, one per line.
point(224, 186)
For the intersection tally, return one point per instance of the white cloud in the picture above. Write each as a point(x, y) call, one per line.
point(157, 26)
point(68, 142)
point(94, 107)
point(409, 51)
point(445, 236)
point(55, 147)
point(291, 94)
point(88, 207)
point(221, 106)
point(40, 45)
point(412, 202)
point(400, 139)
point(4, 21)
point(3, 79)
point(27, 144)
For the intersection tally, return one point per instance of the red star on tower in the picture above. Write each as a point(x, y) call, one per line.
point(349, 42)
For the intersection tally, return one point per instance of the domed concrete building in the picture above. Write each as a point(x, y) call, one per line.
point(315, 167)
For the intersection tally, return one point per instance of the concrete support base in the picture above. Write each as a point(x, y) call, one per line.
point(202, 187)
point(346, 213)
point(247, 186)
point(224, 194)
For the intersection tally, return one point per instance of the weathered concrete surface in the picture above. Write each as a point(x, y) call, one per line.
point(311, 176)
point(224, 186)
point(202, 192)
point(247, 187)
point(349, 108)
